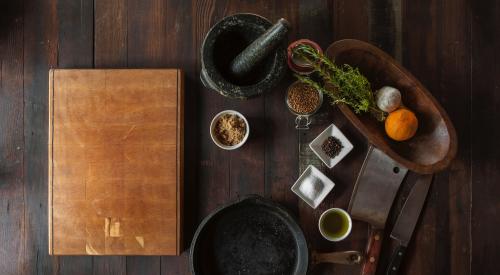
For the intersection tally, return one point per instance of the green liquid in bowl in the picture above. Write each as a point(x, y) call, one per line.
point(335, 224)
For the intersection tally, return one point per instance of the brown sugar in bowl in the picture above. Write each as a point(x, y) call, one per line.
point(216, 136)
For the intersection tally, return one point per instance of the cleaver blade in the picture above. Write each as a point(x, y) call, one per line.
point(374, 192)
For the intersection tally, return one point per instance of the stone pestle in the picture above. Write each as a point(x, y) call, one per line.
point(259, 49)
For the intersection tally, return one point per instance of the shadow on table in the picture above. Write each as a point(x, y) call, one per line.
point(191, 157)
point(10, 14)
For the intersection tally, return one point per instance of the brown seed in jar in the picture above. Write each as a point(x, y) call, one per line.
point(303, 99)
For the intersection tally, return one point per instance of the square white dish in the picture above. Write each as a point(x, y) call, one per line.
point(312, 186)
point(331, 130)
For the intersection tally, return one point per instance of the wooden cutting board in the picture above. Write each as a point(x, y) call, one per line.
point(115, 161)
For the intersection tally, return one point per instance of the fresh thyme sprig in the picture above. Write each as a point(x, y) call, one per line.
point(350, 87)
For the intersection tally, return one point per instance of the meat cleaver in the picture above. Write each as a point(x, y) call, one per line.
point(372, 198)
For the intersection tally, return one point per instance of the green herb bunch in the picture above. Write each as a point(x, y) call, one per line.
point(343, 84)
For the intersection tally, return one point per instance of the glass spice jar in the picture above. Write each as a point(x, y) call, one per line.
point(303, 101)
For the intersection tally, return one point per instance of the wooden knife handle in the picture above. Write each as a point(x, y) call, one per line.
point(342, 257)
point(372, 252)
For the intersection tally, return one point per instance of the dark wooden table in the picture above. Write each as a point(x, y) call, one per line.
point(452, 46)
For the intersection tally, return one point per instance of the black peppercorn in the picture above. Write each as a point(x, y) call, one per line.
point(332, 146)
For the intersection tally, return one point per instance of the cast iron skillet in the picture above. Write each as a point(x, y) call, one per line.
point(251, 236)
point(255, 236)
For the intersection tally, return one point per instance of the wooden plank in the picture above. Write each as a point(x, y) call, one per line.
point(75, 50)
point(247, 163)
point(455, 95)
point(444, 37)
point(385, 26)
point(110, 33)
point(137, 265)
point(76, 34)
point(408, 60)
point(281, 159)
point(112, 265)
point(12, 203)
point(181, 53)
point(147, 33)
point(485, 163)
point(213, 172)
point(74, 265)
point(180, 175)
point(147, 39)
point(385, 30)
point(351, 19)
point(40, 54)
point(347, 19)
point(309, 19)
point(110, 50)
point(437, 53)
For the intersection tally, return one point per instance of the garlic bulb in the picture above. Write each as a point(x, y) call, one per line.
point(388, 99)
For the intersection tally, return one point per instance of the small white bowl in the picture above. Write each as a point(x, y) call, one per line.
point(343, 213)
point(319, 186)
point(316, 144)
point(214, 138)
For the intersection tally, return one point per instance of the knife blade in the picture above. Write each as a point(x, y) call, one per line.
point(407, 220)
point(374, 192)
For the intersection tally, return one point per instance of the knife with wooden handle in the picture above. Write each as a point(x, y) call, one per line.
point(372, 198)
point(372, 251)
point(407, 220)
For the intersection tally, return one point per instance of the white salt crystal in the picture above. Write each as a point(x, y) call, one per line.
point(311, 188)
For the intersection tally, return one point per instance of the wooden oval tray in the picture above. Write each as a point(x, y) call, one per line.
point(435, 143)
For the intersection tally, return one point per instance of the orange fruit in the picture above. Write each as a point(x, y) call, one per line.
point(401, 124)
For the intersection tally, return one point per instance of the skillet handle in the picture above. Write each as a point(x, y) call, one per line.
point(372, 252)
point(343, 257)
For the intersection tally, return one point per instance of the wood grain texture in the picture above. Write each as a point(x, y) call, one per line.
point(112, 265)
point(437, 53)
point(115, 162)
point(280, 168)
point(110, 50)
point(385, 26)
point(485, 161)
point(12, 201)
point(214, 164)
point(40, 54)
point(146, 46)
point(147, 33)
point(249, 180)
point(137, 265)
point(178, 43)
point(76, 33)
point(110, 33)
point(448, 45)
point(308, 217)
point(75, 48)
point(373, 250)
point(343, 175)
